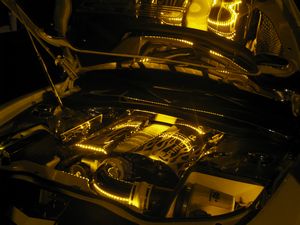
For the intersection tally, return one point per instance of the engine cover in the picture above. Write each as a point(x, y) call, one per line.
point(174, 142)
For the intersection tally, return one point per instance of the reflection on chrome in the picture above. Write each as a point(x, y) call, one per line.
point(164, 12)
point(184, 141)
point(223, 18)
point(171, 39)
point(217, 16)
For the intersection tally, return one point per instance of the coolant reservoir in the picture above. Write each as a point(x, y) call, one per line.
point(194, 200)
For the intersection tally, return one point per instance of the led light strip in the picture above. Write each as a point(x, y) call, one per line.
point(216, 53)
point(127, 124)
point(109, 195)
point(228, 35)
point(233, 13)
point(230, 23)
point(172, 39)
point(91, 147)
point(199, 130)
point(212, 52)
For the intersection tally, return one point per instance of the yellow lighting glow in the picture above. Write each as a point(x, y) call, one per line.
point(183, 140)
point(228, 35)
point(223, 71)
point(77, 175)
point(139, 195)
point(92, 148)
point(172, 19)
point(215, 53)
point(229, 24)
point(145, 60)
point(233, 18)
point(189, 70)
point(109, 195)
point(171, 39)
point(126, 125)
point(199, 130)
point(165, 118)
point(197, 14)
point(154, 157)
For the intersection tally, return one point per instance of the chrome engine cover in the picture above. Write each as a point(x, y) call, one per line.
point(174, 142)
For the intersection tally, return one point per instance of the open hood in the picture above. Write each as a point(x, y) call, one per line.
point(253, 45)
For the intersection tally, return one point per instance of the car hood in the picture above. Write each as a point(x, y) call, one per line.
point(253, 46)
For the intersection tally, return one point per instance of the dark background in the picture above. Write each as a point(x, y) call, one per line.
point(20, 70)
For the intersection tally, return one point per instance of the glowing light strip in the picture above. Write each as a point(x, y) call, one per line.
point(230, 23)
point(91, 147)
point(127, 124)
point(232, 20)
point(228, 35)
point(176, 19)
point(78, 176)
point(170, 20)
point(198, 130)
point(221, 56)
point(168, 105)
point(223, 71)
point(216, 53)
point(172, 39)
point(145, 111)
point(109, 195)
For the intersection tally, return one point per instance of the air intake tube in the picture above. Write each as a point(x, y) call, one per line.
point(139, 196)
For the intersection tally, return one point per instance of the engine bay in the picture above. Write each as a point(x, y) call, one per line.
point(140, 159)
point(151, 163)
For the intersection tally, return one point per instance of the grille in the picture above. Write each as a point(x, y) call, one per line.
point(267, 39)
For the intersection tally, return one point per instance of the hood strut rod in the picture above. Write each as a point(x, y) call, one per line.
point(46, 71)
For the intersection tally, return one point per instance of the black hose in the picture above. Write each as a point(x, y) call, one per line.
point(140, 196)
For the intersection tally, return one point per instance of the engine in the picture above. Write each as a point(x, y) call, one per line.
point(139, 159)
point(152, 163)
